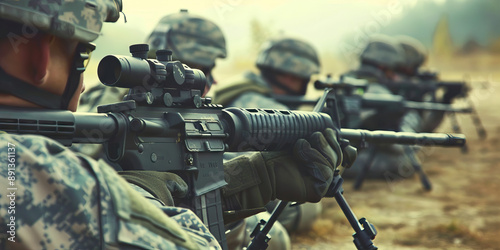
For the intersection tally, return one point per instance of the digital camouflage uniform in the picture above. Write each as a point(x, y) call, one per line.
point(61, 200)
point(69, 201)
point(285, 55)
point(387, 162)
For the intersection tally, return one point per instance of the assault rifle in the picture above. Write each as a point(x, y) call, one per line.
point(351, 100)
point(164, 124)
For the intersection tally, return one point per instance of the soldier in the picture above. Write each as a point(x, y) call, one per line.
point(415, 57)
point(286, 66)
point(379, 61)
point(69, 201)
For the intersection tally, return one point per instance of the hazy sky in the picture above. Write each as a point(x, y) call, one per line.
point(324, 23)
point(338, 29)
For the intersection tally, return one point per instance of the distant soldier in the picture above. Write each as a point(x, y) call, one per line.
point(415, 57)
point(379, 61)
point(285, 66)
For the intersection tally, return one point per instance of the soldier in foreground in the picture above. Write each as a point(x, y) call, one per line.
point(285, 66)
point(69, 201)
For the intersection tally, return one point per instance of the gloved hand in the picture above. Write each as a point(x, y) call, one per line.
point(303, 174)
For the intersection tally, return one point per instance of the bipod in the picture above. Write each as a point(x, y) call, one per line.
point(260, 236)
point(365, 232)
point(364, 171)
point(426, 183)
point(481, 132)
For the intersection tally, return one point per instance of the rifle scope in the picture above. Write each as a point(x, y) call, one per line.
point(138, 70)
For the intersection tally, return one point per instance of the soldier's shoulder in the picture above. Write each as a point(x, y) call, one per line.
point(35, 149)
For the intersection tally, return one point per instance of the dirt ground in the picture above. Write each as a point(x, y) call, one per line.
point(461, 212)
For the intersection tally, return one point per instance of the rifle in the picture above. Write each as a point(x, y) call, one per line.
point(453, 89)
point(164, 124)
point(351, 104)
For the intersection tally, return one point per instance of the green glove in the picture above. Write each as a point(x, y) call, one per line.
point(303, 174)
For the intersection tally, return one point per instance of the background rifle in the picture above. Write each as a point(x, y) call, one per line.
point(165, 125)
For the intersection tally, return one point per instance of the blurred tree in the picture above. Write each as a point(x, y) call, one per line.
point(442, 45)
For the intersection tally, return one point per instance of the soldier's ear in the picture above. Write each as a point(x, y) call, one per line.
point(40, 57)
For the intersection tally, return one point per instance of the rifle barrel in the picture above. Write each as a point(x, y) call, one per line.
point(407, 138)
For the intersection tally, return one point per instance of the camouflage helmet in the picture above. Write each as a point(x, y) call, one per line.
point(415, 52)
point(383, 51)
point(191, 38)
point(289, 55)
point(76, 19)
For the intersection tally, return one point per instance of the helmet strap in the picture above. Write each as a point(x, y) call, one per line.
point(76, 70)
point(19, 88)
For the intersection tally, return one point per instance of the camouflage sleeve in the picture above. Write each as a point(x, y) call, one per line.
point(51, 198)
point(256, 100)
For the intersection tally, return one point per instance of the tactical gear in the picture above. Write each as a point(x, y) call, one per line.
point(414, 51)
point(79, 20)
point(193, 39)
point(265, 176)
point(288, 55)
point(382, 51)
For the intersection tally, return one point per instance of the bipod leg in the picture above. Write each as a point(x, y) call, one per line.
point(364, 172)
point(456, 129)
point(260, 236)
point(364, 231)
point(481, 132)
point(426, 183)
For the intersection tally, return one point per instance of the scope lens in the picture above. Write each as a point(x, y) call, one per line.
point(109, 70)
